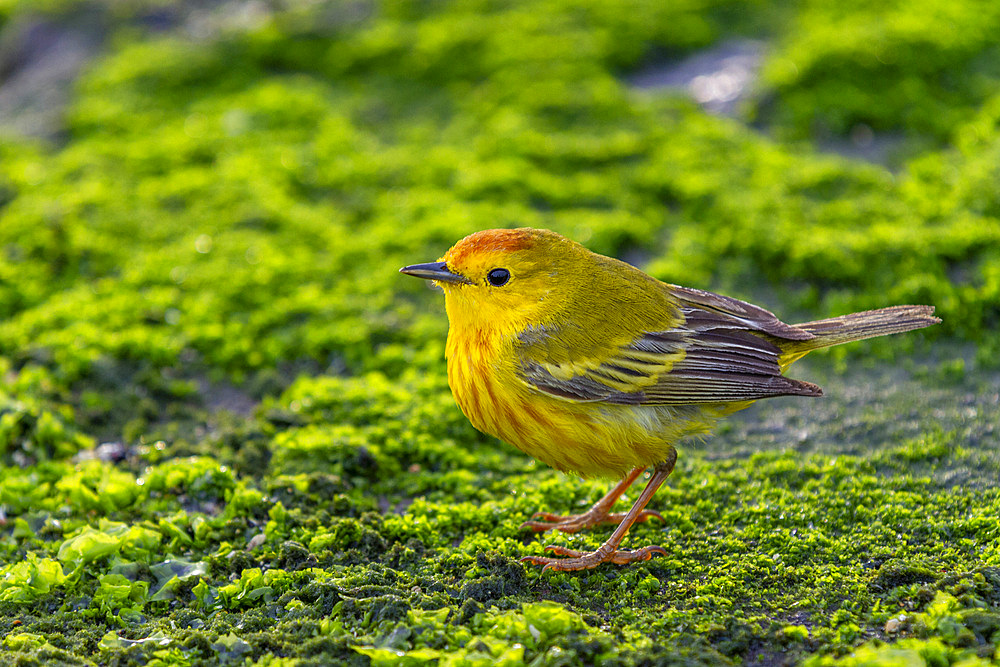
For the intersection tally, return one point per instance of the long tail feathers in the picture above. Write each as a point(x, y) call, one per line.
point(868, 324)
point(857, 326)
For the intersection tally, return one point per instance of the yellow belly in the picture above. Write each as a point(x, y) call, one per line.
point(592, 439)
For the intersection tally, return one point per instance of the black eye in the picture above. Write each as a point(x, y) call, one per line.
point(498, 277)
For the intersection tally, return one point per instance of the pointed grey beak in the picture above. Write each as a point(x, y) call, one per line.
point(434, 271)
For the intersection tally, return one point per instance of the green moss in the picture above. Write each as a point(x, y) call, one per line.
point(226, 433)
point(30, 434)
point(923, 76)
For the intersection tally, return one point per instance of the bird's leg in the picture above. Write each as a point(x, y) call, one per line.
point(609, 552)
point(599, 513)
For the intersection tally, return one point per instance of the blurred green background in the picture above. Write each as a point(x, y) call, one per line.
point(225, 430)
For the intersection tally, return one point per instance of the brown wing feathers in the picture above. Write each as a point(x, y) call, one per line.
point(726, 350)
point(706, 307)
point(723, 362)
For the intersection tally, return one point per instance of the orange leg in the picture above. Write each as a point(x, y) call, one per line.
point(609, 552)
point(598, 514)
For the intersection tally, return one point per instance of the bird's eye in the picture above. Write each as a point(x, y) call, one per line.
point(498, 277)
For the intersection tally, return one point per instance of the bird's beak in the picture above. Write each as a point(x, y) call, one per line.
point(437, 271)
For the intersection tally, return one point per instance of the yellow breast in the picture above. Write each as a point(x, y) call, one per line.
point(593, 439)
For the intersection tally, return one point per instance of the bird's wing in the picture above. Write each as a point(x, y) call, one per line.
point(724, 350)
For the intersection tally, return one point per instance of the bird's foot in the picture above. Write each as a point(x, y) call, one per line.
point(573, 523)
point(583, 560)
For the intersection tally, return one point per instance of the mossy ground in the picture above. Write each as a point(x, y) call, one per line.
point(225, 430)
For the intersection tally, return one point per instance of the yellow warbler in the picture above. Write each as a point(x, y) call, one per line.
point(592, 366)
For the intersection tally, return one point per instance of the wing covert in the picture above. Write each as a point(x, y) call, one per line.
point(722, 351)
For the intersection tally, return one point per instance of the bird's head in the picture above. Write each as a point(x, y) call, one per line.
point(504, 279)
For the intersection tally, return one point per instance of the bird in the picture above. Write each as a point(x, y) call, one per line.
point(593, 367)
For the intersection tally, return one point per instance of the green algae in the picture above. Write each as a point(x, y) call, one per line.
point(783, 551)
point(920, 77)
point(226, 435)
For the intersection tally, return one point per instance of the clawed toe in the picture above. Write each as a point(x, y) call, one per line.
point(581, 560)
point(646, 515)
point(608, 552)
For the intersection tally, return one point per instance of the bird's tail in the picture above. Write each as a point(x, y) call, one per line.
point(858, 326)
